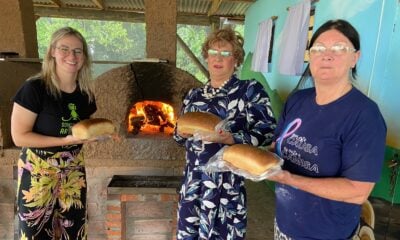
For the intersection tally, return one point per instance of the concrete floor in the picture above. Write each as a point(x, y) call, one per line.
point(261, 199)
point(261, 211)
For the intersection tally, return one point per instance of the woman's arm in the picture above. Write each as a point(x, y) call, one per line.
point(22, 121)
point(338, 189)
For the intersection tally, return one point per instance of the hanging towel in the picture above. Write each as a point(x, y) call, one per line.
point(294, 39)
point(261, 52)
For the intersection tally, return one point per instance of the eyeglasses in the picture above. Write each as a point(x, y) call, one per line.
point(337, 49)
point(65, 51)
point(214, 53)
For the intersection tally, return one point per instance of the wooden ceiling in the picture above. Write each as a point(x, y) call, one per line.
point(194, 12)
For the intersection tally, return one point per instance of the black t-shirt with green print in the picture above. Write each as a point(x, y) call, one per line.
point(55, 116)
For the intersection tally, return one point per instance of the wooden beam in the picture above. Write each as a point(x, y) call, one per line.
point(76, 13)
point(214, 7)
point(191, 55)
point(120, 16)
point(58, 3)
point(99, 4)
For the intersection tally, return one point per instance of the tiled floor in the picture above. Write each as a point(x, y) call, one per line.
point(261, 214)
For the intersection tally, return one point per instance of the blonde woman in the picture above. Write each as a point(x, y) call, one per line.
point(51, 194)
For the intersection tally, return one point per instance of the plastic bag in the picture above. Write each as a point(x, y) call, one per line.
point(221, 126)
point(217, 164)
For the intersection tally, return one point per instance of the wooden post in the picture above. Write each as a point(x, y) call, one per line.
point(18, 28)
point(160, 17)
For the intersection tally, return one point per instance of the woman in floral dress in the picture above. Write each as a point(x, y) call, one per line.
point(213, 206)
point(51, 194)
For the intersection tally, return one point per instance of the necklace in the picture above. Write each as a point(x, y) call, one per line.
point(213, 91)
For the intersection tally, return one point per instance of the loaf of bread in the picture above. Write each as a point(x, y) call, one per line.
point(92, 128)
point(192, 122)
point(250, 158)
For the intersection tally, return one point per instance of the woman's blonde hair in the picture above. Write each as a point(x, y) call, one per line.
point(223, 36)
point(48, 72)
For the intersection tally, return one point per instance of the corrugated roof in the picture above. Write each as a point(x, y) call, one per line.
point(89, 9)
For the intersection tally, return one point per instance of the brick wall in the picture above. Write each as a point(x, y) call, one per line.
point(145, 214)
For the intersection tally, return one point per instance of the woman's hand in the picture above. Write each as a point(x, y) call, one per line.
point(184, 135)
point(71, 140)
point(219, 137)
point(281, 177)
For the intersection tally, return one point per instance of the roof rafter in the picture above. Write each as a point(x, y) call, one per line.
point(194, 12)
point(214, 7)
point(58, 3)
point(99, 4)
point(120, 16)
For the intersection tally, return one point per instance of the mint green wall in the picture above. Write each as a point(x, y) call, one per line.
point(378, 22)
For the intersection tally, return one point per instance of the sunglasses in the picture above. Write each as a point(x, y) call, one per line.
point(214, 53)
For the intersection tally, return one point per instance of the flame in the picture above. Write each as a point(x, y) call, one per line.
point(151, 117)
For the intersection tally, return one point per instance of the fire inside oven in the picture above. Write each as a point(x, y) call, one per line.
point(151, 117)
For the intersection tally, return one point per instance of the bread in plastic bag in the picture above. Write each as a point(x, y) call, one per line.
point(201, 135)
point(218, 164)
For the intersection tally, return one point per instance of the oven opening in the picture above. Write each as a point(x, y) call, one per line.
point(151, 117)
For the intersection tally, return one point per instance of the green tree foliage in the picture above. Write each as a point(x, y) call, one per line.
point(123, 41)
point(193, 36)
point(108, 41)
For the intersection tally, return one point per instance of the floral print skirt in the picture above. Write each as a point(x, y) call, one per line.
point(51, 196)
point(212, 206)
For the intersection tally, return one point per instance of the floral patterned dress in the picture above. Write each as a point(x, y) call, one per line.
point(213, 206)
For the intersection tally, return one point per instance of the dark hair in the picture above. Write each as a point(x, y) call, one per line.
point(346, 29)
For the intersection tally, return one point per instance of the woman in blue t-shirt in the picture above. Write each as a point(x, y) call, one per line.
point(51, 194)
point(332, 138)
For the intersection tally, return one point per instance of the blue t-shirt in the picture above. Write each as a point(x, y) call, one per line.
point(345, 138)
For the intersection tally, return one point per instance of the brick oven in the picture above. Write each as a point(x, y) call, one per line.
point(119, 90)
point(132, 182)
point(151, 158)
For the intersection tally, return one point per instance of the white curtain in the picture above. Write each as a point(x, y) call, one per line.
point(294, 39)
point(261, 52)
